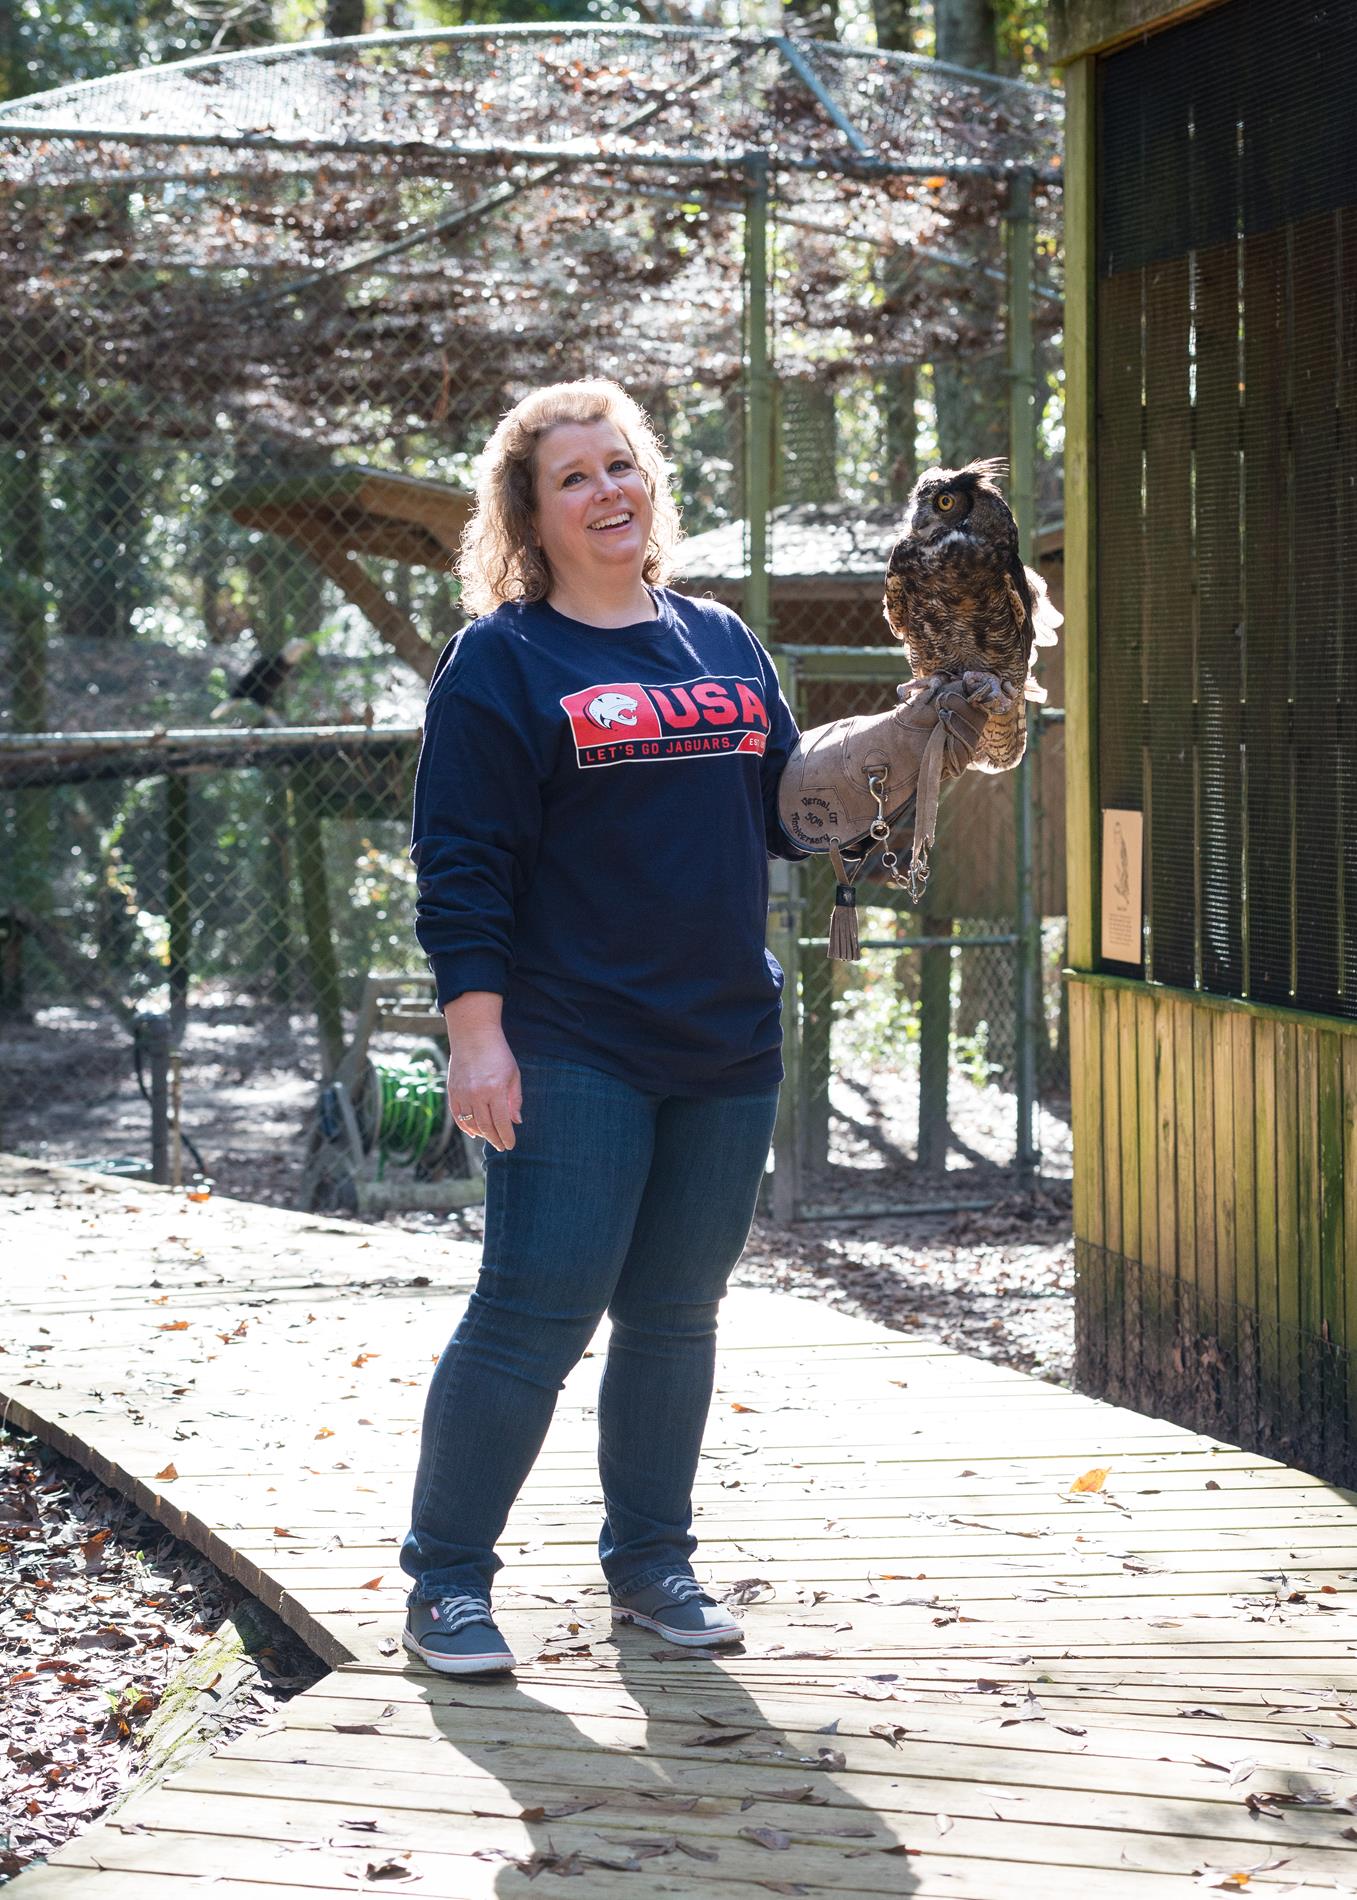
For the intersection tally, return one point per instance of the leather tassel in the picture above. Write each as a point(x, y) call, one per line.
point(843, 925)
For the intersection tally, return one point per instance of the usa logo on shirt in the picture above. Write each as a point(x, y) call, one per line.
point(622, 722)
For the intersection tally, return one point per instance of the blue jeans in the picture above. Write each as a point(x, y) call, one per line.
point(612, 1201)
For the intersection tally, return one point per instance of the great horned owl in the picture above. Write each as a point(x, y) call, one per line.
point(964, 604)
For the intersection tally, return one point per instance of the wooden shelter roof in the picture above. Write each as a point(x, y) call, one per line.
point(359, 510)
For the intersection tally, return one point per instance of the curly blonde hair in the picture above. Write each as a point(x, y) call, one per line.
point(499, 559)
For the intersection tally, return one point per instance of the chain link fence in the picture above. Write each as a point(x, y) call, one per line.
point(191, 969)
point(257, 317)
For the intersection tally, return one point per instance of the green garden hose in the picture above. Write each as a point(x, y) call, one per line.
point(403, 1111)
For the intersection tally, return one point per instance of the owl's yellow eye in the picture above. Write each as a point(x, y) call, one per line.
point(946, 503)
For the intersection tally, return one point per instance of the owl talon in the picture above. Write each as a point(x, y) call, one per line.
point(984, 689)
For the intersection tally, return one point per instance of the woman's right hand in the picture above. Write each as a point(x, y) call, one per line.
point(485, 1092)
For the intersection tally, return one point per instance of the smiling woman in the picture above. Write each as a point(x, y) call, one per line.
point(507, 549)
point(595, 807)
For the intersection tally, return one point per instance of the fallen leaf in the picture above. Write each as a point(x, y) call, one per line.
point(167, 1476)
point(172, 1326)
point(1093, 1480)
point(376, 1870)
point(325, 1432)
point(721, 1740)
point(373, 1583)
point(770, 1837)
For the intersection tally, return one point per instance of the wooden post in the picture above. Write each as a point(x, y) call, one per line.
point(1081, 777)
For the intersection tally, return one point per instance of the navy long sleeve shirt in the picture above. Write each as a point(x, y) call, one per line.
point(594, 811)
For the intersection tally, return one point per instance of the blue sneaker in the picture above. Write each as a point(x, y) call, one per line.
point(457, 1637)
point(680, 1610)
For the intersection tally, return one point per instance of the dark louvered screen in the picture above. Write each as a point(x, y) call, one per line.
point(1227, 492)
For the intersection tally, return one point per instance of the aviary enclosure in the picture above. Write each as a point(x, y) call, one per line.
point(1212, 241)
point(257, 314)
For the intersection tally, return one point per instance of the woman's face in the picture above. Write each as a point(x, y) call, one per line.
point(593, 512)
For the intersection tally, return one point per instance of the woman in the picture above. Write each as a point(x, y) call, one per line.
point(594, 809)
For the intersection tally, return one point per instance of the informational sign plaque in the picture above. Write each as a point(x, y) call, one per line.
point(1123, 832)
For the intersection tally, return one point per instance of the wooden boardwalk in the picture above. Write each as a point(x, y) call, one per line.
point(961, 1678)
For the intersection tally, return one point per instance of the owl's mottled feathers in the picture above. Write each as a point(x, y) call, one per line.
point(962, 602)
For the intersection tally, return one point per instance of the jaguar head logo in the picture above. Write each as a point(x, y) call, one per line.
point(611, 709)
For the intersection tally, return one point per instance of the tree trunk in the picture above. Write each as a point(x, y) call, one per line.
point(344, 18)
point(966, 34)
point(972, 397)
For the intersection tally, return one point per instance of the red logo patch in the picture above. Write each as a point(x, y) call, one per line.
point(624, 722)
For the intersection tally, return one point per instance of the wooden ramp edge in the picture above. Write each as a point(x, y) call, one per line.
point(961, 1676)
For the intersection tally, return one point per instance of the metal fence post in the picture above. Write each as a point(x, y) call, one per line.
point(784, 940)
point(178, 899)
point(153, 1033)
point(758, 434)
point(1022, 418)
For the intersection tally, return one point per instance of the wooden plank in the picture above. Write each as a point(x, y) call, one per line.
point(920, 1757)
point(1333, 1335)
point(1203, 1274)
point(1165, 1111)
point(1288, 1175)
point(1349, 1267)
point(1081, 775)
point(1226, 1005)
point(1185, 1139)
point(1111, 1095)
point(1240, 1326)
point(1220, 1322)
point(1128, 1075)
point(1147, 1099)
point(1268, 1398)
point(1309, 1260)
point(1088, 1128)
point(1077, 1010)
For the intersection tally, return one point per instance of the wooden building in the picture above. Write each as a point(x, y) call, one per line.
point(1211, 686)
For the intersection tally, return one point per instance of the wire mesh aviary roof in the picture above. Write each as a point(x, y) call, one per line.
point(339, 243)
point(690, 96)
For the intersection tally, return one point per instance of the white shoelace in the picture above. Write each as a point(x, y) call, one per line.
point(454, 1614)
point(683, 1589)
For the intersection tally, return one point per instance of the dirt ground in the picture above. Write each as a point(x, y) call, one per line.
point(102, 1611)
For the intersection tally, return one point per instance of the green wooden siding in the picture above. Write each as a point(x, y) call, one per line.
point(1215, 1214)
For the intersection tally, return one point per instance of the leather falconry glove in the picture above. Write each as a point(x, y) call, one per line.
point(846, 784)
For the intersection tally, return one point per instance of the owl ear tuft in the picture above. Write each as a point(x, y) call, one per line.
point(993, 468)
